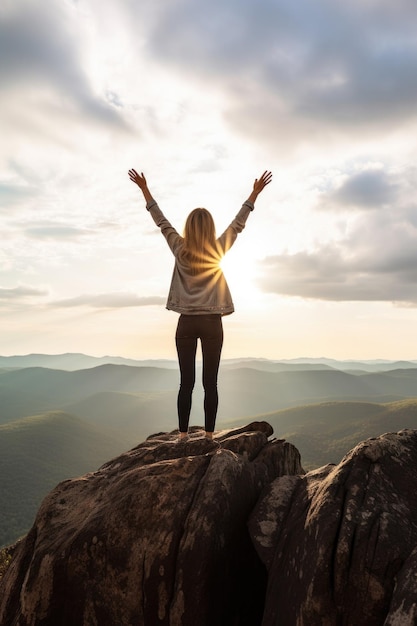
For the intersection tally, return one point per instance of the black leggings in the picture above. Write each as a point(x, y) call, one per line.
point(209, 329)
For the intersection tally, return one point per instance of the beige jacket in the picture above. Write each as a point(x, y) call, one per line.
point(202, 293)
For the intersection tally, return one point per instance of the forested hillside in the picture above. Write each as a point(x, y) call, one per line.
point(57, 424)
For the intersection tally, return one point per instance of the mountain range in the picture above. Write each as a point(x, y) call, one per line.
point(77, 361)
point(64, 415)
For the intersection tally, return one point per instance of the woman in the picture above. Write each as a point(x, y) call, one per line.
point(199, 293)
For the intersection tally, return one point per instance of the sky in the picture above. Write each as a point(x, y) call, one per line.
point(203, 97)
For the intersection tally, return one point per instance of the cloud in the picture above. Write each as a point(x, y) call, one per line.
point(296, 69)
point(21, 292)
point(110, 301)
point(366, 189)
point(12, 195)
point(42, 70)
point(56, 231)
point(333, 273)
point(376, 260)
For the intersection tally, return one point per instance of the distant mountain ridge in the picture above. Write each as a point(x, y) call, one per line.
point(244, 392)
point(76, 361)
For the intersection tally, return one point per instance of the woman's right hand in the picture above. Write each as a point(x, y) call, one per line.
point(138, 179)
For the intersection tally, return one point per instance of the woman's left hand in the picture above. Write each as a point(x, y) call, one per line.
point(262, 182)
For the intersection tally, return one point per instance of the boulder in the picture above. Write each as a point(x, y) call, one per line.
point(340, 543)
point(157, 536)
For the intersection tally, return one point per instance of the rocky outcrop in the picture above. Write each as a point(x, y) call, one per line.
point(340, 543)
point(158, 536)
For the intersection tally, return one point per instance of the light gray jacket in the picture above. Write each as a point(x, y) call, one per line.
point(206, 292)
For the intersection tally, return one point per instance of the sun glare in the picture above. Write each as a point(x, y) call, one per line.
point(240, 276)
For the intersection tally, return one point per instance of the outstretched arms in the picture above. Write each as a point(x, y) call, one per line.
point(259, 185)
point(140, 181)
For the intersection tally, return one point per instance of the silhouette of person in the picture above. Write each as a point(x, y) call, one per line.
point(200, 294)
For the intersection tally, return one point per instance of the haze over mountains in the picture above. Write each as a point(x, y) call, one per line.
point(76, 361)
point(63, 415)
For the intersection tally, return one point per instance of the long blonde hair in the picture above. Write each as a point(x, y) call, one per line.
point(200, 247)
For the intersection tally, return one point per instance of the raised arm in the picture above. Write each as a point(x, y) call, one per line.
point(259, 185)
point(227, 239)
point(140, 181)
point(174, 240)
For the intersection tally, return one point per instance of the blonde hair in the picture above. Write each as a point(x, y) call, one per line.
point(200, 248)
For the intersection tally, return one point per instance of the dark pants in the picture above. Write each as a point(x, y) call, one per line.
point(209, 329)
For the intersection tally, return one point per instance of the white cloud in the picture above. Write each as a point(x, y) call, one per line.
point(376, 258)
point(55, 231)
point(12, 195)
point(19, 293)
point(44, 87)
point(297, 71)
point(365, 189)
point(110, 301)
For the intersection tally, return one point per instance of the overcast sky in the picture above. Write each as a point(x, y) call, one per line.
point(203, 97)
